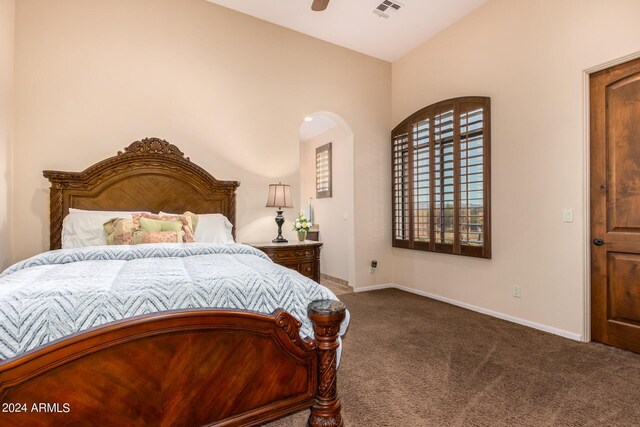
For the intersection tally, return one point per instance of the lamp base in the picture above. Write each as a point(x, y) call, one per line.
point(279, 221)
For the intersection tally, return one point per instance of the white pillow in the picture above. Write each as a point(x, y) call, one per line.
point(82, 228)
point(212, 228)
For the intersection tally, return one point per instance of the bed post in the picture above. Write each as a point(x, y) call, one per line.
point(326, 315)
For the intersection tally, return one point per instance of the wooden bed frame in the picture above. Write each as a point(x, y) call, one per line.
point(176, 368)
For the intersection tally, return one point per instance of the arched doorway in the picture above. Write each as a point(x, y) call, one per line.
point(334, 215)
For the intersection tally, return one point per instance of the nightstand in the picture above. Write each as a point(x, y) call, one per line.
point(304, 257)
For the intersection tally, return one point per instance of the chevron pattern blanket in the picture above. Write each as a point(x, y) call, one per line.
point(60, 292)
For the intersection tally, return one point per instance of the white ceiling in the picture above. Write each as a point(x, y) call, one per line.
point(352, 23)
point(318, 125)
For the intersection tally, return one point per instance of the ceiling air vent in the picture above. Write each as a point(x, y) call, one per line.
point(387, 7)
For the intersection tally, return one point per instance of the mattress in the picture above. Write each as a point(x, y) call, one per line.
point(57, 293)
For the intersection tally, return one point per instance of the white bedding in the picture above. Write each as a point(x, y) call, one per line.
point(61, 292)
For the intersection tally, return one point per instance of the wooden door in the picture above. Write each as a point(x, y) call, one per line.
point(615, 206)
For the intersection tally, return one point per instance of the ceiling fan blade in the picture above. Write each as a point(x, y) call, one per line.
point(319, 5)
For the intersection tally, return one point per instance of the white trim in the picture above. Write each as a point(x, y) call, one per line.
point(613, 63)
point(556, 331)
point(586, 211)
point(586, 198)
point(376, 287)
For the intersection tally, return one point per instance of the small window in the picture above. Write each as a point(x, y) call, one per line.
point(441, 178)
point(323, 171)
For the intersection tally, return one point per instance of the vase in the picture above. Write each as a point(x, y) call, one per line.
point(302, 235)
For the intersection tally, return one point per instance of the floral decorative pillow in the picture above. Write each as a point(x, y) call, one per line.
point(185, 219)
point(140, 237)
point(119, 231)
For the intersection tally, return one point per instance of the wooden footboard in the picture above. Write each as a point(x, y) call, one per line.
point(180, 368)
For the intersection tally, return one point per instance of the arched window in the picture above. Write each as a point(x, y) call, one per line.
point(441, 178)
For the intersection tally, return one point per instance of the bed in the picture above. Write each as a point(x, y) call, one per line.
point(186, 366)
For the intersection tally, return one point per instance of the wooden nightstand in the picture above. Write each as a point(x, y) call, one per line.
point(304, 257)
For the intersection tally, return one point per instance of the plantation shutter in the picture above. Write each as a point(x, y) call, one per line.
point(400, 157)
point(440, 178)
point(421, 180)
point(324, 178)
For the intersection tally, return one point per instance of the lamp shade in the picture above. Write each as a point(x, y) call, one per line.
point(279, 196)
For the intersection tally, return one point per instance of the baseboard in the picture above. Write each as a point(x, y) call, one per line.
point(376, 287)
point(497, 314)
point(333, 279)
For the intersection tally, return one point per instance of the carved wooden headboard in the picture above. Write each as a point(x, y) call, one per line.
point(149, 175)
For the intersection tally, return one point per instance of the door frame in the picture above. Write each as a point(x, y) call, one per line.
point(586, 189)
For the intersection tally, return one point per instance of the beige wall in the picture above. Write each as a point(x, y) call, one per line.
point(231, 91)
point(334, 214)
point(7, 9)
point(529, 57)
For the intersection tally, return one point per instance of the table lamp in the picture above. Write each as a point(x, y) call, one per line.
point(279, 197)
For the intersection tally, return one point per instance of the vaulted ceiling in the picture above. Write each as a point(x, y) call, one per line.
point(354, 24)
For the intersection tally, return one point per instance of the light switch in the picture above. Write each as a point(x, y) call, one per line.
point(567, 215)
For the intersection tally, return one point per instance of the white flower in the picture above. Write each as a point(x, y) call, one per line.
point(309, 224)
point(297, 224)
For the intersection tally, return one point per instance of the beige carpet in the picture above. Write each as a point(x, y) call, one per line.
point(413, 361)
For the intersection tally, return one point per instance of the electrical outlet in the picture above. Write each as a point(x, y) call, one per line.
point(516, 291)
point(567, 215)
